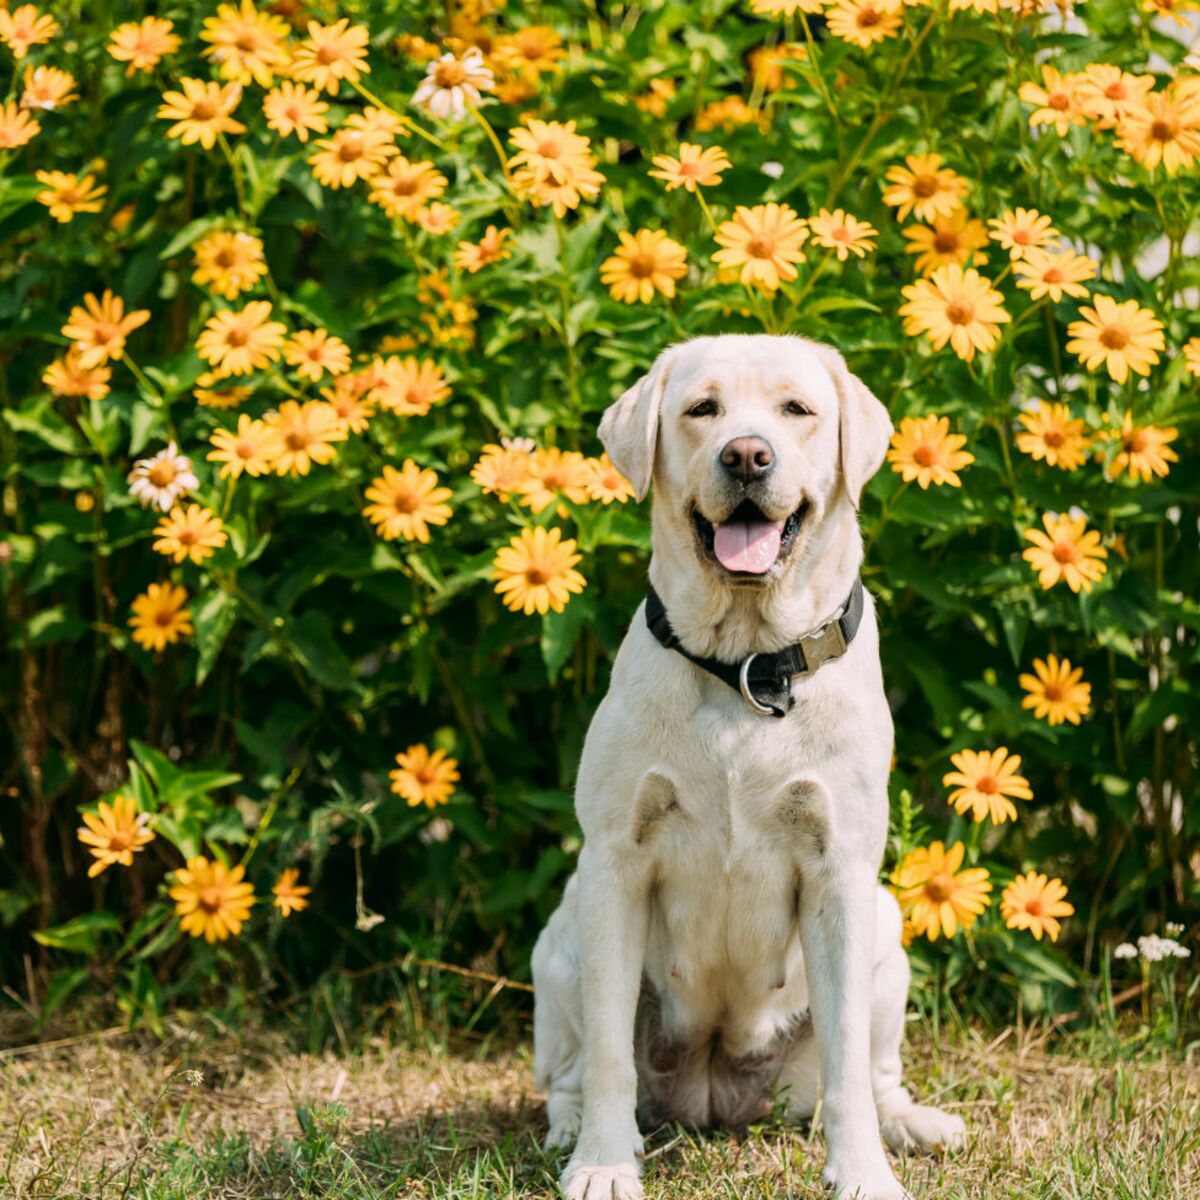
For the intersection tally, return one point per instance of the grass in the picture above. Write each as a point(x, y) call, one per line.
point(194, 1119)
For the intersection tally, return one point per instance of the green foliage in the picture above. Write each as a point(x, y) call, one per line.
point(263, 739)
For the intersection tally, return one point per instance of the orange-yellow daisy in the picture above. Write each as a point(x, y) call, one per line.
point(936, 893)
point(212, 901)
point(953, 238)
point(421, 777)
point(1056, 101)
point(986, 783)
point(923, 187)
point(160, 616)
point(293, 110)
point(238, 342)
point(290, 895)
point(1021, 229)
point(1145, 450)
point(646, 262)
point(24, 27)
point(1035, 902)
point(114, 833)
point(1121, 335)
point(762, 244)
point(956, 306)
point(1053, 273)
point(228, 261)
point(68, 195)
point(307, 433)
point(839, 231)
point(1052, 435)
point(405, 503)
point(1056, 691)
point(142, 44)
point(202, 111)
point(100, 326)
point(1067, 551)
point(411, 386)
point(316, 352)
point(551, 474)
point(252, 447)
point(330, 54)
point(491, 248)
point(189, 534)
point(536, 572)
point(924, 449)
point(695, 167)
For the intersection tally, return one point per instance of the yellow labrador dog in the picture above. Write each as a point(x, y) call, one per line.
point(725, 937)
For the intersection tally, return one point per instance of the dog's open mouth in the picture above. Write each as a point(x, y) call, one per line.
point(747, 542)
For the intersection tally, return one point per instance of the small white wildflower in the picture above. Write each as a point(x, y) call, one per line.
point(1125, 950)
point(1154, 948)
point(451, 84)
point(163, 479)
point(1174, 929)
point(525, 445)
point(773, 170)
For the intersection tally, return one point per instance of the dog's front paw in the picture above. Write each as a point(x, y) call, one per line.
point(920, 1129)
point(563, 1131)
point(853, 1182)
point(619, 1181)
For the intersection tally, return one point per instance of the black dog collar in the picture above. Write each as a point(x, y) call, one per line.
point(765, 680)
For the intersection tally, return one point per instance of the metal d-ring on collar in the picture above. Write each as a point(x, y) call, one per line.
point(771, 673)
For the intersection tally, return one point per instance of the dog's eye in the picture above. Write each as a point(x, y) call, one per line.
point(703, 408)
point(796, 408)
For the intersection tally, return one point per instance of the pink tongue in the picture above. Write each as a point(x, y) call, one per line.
point(751, 546)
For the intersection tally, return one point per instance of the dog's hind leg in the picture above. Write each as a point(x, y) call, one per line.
point(558, 1023)
point(906, 1126)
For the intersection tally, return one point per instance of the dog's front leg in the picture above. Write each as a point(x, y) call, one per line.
point(837, 929)
point(613, 922)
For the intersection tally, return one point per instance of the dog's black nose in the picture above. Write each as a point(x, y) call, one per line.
point(747, 458)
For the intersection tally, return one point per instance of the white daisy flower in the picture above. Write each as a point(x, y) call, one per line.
point(451, 84)
point(163, 479)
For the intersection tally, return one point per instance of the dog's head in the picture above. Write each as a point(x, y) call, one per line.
point(754, 443)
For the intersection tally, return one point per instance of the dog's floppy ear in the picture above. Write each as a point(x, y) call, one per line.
point(629, 427)
point(864, 427)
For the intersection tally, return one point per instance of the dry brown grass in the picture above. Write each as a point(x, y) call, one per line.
point(108, 1118)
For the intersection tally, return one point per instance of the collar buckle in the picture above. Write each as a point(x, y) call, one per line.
point(826, 643)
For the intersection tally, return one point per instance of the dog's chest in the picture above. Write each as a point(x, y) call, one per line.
point(724, 927)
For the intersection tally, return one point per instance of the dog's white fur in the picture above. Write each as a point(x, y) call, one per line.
point(724, 935)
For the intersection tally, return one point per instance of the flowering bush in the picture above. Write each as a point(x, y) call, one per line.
point(312, 567)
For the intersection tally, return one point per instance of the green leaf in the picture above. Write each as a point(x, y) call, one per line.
point(80, 935)
point(561, 630)
point(212, 618)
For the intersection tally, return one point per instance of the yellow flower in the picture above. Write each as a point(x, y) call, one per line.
point(307, 433)
point(350, 155)
point(864, 22)
point(1020, 230)
point(212, 901)
point(437, 218)
point(292, 109)
point(192, 533)
point(1121, 335)
point(764, 242)
point(330, 54)
point(954, 238)
point(403, 186)
point(924, 449)
point(66, 195)
point(159, 616)
point(201, 112)
point(767, 63)
point(491, 248)
point(229, 262)
point(226, 396)
point(47, 88)
point(1034, 902)
point(238, 342)
point(646, 262)
point(1145, 451)
point(141, 44)
point(23, 27)
point(552, 473)
point(553, 165)
point(99, 328)
point(838, 230)
point(923, 187)
point(424, 778)
point(1053, 273)
point(1065, 552)
point(453, 84)
point(313, 352)
point(536, 571)
point(605, 483)
point(405, 503)
point(533, 50)
point(936, 894)
point(955, 306)
point(1176, 10)
point(1106, 93)
point(410, 386)
point(696, 167)
point(245, 44)
point(1164, 130)
point(67, 376)
point(654, 101)
point(502, 470)
point(290, 895)
point(114, 833)
point(348, 395)
point(1053, 435)
point(252, 447)
point(730, 113)
point(785, 8)
point(984, 782)
point(1191, 356)
point(1056, 690)
point(1056, 101)
point(17, 127)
